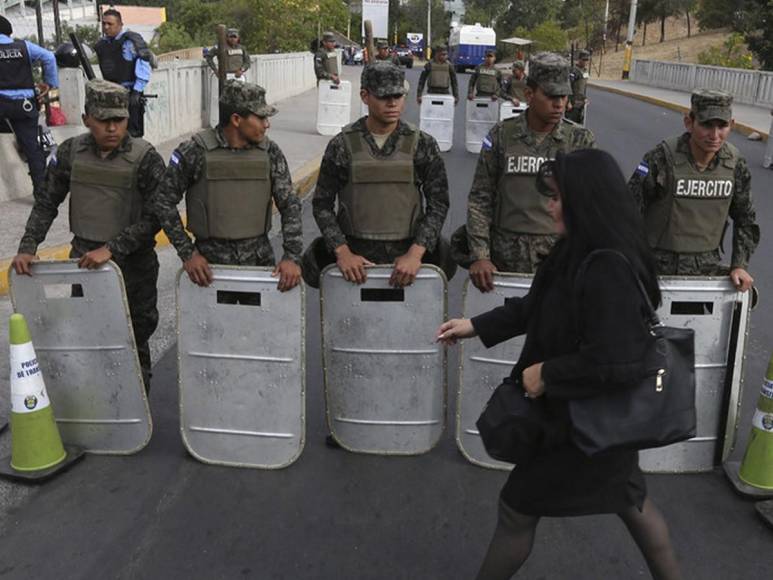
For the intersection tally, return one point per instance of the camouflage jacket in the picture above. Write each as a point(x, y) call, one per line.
point(512, 88)
point(185, 168)
point(577, 74)
point(391, 58)
point(491, 165)
point(424, 76)
point(648, 183)
point(472, 87)
point(140, 235)
point(212, 56)
point(430, 171)
point(319, 66)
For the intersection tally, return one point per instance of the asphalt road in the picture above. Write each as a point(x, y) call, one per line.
point(336, 515)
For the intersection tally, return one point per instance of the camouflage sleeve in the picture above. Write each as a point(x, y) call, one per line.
point(431, 174)
point(583, 139)
point(498, 92)
point(644, 181)
point(473, 82)
point(333, 177)
point(184, 169)
point(210, 58)
point(287, 203)
point(46, 207)
point(454, 81)
point(319, 68)
point(150, 172)
point(480, 204)
point(422, 80)
point(245, 59)
point(746, 232)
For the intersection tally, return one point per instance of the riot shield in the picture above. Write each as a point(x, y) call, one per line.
point(482, 115)
point(242, 378)
point(507, 110)
point(385, 376)
point(482, 370)
point(80, 325)
point(436, 117)
point(333, 106)
point(767, 160)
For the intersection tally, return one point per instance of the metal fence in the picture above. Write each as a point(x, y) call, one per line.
point(747, 86)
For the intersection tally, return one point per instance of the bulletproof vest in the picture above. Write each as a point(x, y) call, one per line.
point(234, 59)
point(15, 67)
point(579, 86)
point(517, 88)
point(439, 75)
point(692, 215)
point(232, 198)
point(520, 208)
point(104, 199)
point(114, 66)
point(380, 200)
point(487, 81)
point(330, 62)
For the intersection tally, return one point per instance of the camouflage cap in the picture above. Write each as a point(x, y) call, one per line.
point(708, 104)
point(382, 44)
point(328, 37)
point(232, 32)
point(519, 64)
point(551, 73)
point(106, 100)
point(583, 55)
point(246, 96)
point(382, 79)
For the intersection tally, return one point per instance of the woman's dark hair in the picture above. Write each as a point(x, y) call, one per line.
point(599, 212)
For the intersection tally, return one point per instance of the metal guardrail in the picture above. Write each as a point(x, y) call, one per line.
point(747, 86)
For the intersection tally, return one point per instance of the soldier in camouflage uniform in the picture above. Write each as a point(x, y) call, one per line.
point(382, 53)
point(508, 225)
point(237, 58)
point(578, 78)
point(486, 80)
point(689, 185)
point(110, 177)
point(326, 60)
point(230, 175)
point(439, 76)
point(392, 191)
point(514, 87)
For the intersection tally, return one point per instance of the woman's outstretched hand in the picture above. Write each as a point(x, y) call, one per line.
point(456, 328)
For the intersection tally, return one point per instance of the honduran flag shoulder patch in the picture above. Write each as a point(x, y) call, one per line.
point(643, 169)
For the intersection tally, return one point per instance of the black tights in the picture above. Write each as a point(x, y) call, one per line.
point(514, 538)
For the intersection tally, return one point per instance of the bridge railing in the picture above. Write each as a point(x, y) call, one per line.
point(747, 86)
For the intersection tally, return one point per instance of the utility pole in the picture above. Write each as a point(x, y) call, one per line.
point(57, 22)
point(629, 41)
point(39, 18)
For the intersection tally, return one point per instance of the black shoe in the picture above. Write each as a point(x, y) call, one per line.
point(331, 442)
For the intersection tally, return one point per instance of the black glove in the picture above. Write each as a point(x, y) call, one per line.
point(135, 99)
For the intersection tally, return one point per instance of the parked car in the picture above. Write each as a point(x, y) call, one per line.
point(404, 55)
point(359, 57)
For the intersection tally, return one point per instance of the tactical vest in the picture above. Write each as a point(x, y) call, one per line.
point(234, 59)
point(692, 215)
point(579, 86)
point(439, 76)
point(520, 208)
point(232, 198)
point(330, 62)
point(114, 66)
point(104, 199)
point(15, 67)
point(517, 88)
point(380, 200)
point(487, 81)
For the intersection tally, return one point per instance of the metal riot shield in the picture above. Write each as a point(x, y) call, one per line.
point(507, 110)
point(481, 370)
point(333, 106)
point(482, 115)
point(385, 376)
point(242, 377)
point(767, 160)
point(436, 117)
point(80, 325)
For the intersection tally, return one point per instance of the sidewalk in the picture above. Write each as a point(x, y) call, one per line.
point(748, 118)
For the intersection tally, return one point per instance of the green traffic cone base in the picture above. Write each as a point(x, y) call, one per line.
point(73, 454)
point(731, 470)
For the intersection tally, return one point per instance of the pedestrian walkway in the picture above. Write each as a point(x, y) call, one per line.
point(748, 118)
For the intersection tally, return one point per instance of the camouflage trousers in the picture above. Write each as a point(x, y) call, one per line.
point(140, 275)
point(520, 253)
point(692, 264)
point(317, 256)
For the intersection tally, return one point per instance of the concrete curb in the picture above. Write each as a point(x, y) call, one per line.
point(304, 179)
point(745, 130)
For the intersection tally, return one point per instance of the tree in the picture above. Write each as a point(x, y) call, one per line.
point(756, 21)
point(732, 54)
point(718, 13)
point(487, 12)
point(547, 35)
point(172, 36)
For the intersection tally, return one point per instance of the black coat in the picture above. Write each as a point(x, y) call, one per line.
point(591, 338)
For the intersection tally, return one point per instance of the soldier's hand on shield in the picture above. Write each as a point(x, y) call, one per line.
point(336, 79)
point(198, 269)
point(453, 330)
point(482, 275)
point(470, 97)
point(418, 99)
point(741, 279)
point(95, 258)
point(21, 263)
point(532, 381)
point(352, 266)
point(289, 275)
point(516, 102)
point(407, 266)
point(494, 97)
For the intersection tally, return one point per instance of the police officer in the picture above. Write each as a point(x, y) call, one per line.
point(514, 87)
point(237, 59)
point(230, 175)
point(110, 177)
point(486, 80)
point(326, 60)
point(383, 55)
point(578, 78)
point(125, 58)
point(392, 191)
point(687, 187)
point(439, 76)
point(18, 100)
point(508, 225)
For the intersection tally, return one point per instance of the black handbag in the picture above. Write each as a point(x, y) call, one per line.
point(656, 411)
point(511, 425)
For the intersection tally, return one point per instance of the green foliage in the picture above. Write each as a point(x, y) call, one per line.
point(547, 35)
point(86, 33)
point(718, 13)
point(484, 11)
point(756, 21)
point(733, 54)
point(172, 36)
